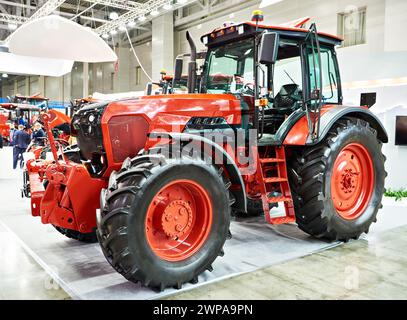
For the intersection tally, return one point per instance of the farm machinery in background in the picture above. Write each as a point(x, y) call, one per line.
point(178, 83)
point(27, 110)
point(152, 182)
point(19, 108)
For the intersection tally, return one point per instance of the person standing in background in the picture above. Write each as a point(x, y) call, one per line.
point(21, 140)
point(38, 135)
point(11, 135)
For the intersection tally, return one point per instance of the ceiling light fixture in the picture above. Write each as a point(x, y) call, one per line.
point(113, 15)
point(167, 6)
point(155, 13)
point(12, 26)
point(142, 18)
point(182, 1)
point(113, 32)
point(131, 24)
point(5, 75)
point(105, 36)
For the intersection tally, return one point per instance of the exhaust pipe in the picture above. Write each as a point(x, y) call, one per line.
point(192, 67)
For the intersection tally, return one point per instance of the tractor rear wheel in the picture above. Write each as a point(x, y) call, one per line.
point(163, 223)
point(338, 184)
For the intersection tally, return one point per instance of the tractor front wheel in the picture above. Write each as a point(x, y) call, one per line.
point(79, 236)
point(338, 184)
point(163, 223)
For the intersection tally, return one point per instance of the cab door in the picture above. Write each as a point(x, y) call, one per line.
point(313, 81)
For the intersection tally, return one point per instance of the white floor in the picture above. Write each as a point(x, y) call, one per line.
point(83, 272)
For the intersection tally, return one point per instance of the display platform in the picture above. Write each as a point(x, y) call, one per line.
point(83, 272)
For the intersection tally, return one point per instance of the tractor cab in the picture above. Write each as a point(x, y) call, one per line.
point(27, 108)
point(279, 73)
point(35, 101)
point(30, 114)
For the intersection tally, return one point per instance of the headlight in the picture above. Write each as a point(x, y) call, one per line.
point(91, 118)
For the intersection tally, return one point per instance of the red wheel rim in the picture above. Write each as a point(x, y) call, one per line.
point(352, 181)
point(178, 220)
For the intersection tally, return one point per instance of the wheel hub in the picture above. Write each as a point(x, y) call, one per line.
point(352, 181)
point(177, 219)
point(349, 181)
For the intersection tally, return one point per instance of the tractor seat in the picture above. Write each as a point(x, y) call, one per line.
point(286, 101)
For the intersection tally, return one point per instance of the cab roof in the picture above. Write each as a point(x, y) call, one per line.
point(35, 97)
point(21, 106)
point(232, 32)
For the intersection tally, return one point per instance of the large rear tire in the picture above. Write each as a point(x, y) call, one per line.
point(338, 184)
point(163, 223)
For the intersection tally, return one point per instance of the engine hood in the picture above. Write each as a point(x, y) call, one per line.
point(168, 111)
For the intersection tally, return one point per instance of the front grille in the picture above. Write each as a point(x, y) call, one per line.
point(128, 135)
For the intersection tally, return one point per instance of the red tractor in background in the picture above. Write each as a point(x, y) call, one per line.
point(4, 125)
point(20, 107)
point(158, 193)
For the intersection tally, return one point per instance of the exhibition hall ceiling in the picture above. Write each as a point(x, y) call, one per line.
point(107, 17)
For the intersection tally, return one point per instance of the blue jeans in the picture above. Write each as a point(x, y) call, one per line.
point(17, 155)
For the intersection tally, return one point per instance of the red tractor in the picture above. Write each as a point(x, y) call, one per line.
point(155, 189)
point(20, 107)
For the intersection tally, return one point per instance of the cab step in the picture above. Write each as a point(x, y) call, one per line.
point(279, 199)
point(282, 220)
point(275, 180)
point(279, 183)
point(271, 160)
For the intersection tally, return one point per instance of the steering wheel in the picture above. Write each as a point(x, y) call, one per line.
point(248, 88)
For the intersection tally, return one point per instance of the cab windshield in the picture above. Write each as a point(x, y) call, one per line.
point(33, 102)
point(230, 68)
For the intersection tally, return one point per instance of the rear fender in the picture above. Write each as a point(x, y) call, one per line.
point(299, 133)
point(232, 169)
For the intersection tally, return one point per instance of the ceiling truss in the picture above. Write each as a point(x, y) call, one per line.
point(93, 13)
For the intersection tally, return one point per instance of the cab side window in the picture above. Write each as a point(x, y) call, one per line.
point(330, 75)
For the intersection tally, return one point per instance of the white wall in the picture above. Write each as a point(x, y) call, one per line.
point(144, 53)
point(396, 155)
point(395, 19)
point(391, 102)
point(163, 37)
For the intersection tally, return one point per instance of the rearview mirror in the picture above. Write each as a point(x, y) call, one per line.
point(269, 48)
point(179, 65)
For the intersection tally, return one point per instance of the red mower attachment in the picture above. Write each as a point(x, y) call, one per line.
point(62, 192)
